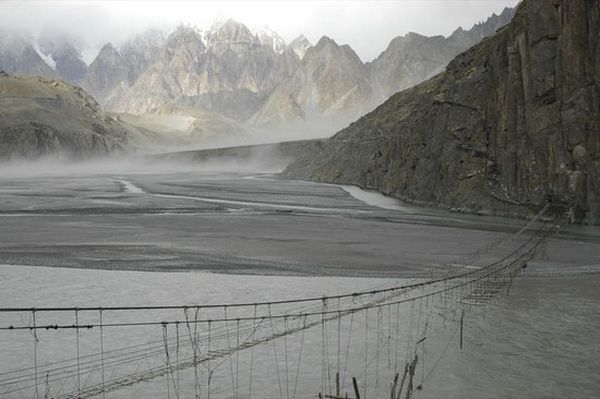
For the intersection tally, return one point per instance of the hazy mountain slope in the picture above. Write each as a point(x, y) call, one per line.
point(18, 55)
point(140, 51)
point(236, 104)
point(29, 62)
point(331, 81)
point(181, 128)
point(412, 59)
point(61, 51)
point(40, 116)
point(512, 121)
point(114, 70)
point(105, 74)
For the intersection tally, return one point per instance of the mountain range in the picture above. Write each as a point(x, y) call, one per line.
point(233, 75)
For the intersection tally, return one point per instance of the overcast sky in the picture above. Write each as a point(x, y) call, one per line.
point(367, 26)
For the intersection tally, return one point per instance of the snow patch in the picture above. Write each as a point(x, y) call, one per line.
point(46, 57)
point(271, 39)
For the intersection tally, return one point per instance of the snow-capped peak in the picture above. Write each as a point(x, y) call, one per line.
point(271, 39)
point(299, 46)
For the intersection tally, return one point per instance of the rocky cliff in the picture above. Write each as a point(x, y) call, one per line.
point(513, 121)
point(41, 116)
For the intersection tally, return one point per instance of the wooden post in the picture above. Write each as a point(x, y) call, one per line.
point(403, 380)
point(393, 393)
point(355, 385)
point(462, 318)
point(413, 367)
point(337, 384)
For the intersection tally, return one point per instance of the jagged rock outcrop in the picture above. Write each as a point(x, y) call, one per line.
point(412, 59)
point(513, 121)
point(331, 81)
point(41, 116)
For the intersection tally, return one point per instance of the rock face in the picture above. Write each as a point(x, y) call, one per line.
point(412, 59)
point(41, 116)
point(513, 121)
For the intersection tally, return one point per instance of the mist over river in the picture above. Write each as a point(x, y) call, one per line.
point(193, 237)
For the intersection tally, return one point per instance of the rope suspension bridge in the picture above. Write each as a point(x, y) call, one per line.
point(382, 342)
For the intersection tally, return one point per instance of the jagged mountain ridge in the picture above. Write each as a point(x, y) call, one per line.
point(514, 121)
point(330, 81)
point(228, 58)
point(414, 58)
point(347, 91)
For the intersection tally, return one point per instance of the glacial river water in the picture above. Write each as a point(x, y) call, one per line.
point(191, 237)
